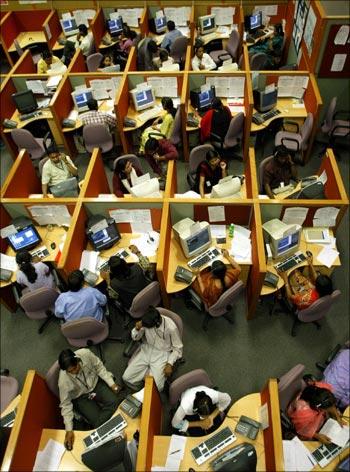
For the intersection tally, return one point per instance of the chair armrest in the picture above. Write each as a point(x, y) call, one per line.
point(226, 54)
point(346, 126)
point(16, 293)
point(131, 348)
point(293, 123)
point(333, 354)
point(47, 137)
point(157, 134)
point(290, 139)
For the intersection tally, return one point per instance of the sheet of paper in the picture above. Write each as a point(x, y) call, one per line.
point(100, 94)
point(223, 15)
point(37, 86)
point(130, 16)
point(338, 434)
point(140, 227)
point(139, 395)
point(89, 260)
point(7, 231)
point(342, 35)
point(121, 216)
point(295, 215)
point(51, 214)
point(146, 246)
point(327, 256)
point(164, 86)
point(175, 452)
point(264, 416)
point(216, 213)
point(290, 460)
point(50, 457)
point(309, 29)
point(188, 194)
point(338, 62)
point(218, 231)
point(323, 177)
point(326, 216)
point(296, 456)
point(8, 262)
point(242, 231)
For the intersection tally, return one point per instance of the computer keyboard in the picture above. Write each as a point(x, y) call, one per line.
point(150, 113)
point(211, 446)
point(325, 453)
point(41, 252)
point(260, 118)
point(207, 256)
point(8, 420)
point(108, 429)
point(291, 262)
point(223, 30)
point(28, 116)
point(286, 188)
point(210, 37)
point(122, 253)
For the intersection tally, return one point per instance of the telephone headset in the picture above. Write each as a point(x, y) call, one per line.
point(325, 403)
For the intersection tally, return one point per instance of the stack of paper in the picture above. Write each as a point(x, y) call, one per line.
point(147, 243)
point(188, 194)
point(241, 247)
point(175, 452)
point(8, 262)
point(50, 457)
point(338, 434)
point(296, 456)
point(89, 260)
point(327, 256)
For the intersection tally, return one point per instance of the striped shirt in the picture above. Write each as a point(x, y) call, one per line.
point(95, 117)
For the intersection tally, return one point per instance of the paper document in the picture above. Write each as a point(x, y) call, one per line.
point(218, 231)
point(7, 231)
point(8, 262)
point(216, 213)
point(50, 457)
point(89, 260)
point(175, 452)
point(139, 395)
point(342, 35)
point(51, 214)
point(326, 216)
point(147, 243)
point(37, 86)
point(223, 15)
point(338, 62)
point(339, 435)
point(295, 216)
point(189, 194)
point(296, 456)
point(241, 246)
point(327, 256)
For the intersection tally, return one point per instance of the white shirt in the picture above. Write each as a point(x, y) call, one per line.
point(85, 44)
point(206, 60)
point(44, 278)
point(133, 177)
point(220, 400)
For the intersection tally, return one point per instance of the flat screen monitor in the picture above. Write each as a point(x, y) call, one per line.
point(160, 24)
point(105, 238)
point(26, 238)
point(115, 26)
point(197, 243)
point(265, 101)
point(227, 187)
point(255, 21)
point(80, 98)
point(206, 24)
point(25, 101)
point(143, 98)
point(69, 26)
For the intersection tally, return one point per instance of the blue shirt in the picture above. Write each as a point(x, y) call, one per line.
point(75, 305)
point(169, 38)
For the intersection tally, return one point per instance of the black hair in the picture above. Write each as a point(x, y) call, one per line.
point(170, 25)
point(52, 149)
point(218, 269)
point(152, 46)
point(92, 104)
point(168, 105)
point(163, 55)
point(280, 151)
point(151, 318)
point(216, 104)
point(120, 167)
point(67, 358)
point(46, 54)
point(203, 404)
point(211, 154)
point(198, 42)
point(198, 47)
point(75, 280)
point(24, 260)
point(317, 397)
point(151, 146)
point(118, 267)
point(83, 29)
point(279, 29)
point(324, 285)
point(126, 29)
point(130, 34)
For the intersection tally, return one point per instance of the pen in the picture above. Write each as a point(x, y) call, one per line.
point(178, 450)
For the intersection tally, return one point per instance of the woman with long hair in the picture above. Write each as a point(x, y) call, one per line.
point(32, 276)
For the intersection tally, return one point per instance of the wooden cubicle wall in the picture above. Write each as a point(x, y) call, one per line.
point(15, 186)
point(38, 409)
point(25, 64)
point(7, 108)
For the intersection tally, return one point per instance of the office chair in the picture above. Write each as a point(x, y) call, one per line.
point(97, 136)
point(257, 61)
point(178, 50)
point(36, 147)
point(197, 155)
point(333, 127)
point(8, 389)
point(176, 137)
point(332, 355)
point(230, 52)
point(293, 66)
point(290, 384)
point(222, 307)
point(130, 157)
point(297, 142)
point(232, 138)
point(240, 62)
point(150, 295)
point(262, 166)
point(189, 380)
point(39, 305)
point(93, 61)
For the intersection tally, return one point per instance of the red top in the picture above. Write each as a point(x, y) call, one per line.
point(118, 186)
point(167, 150)
point(207, 123)
point(305, 299)
point(212, 292)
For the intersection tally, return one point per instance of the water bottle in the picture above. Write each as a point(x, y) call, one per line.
point(231, 230)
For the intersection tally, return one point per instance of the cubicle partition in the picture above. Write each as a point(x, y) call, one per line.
point(77, 63)
point(98, 27)
point(7, 109)
point(52, 28)
point(15, 186)
point(25, 64)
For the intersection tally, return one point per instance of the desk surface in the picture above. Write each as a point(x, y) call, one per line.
point(248, 405)
point(28, 37)
point(45, 115)
point(207, 38)
point(268, 32)
point(285, 106)
point(135, 115)
point(315, 248)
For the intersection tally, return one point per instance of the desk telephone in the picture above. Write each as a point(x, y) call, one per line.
point(131, 406)
point(183, 275)
point(248, 427)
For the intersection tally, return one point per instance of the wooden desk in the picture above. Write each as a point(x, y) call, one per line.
point(315, 248)
point(57, 235)
point(78, 123)
point(285, 106)
point(132, 113)
point(176, 257)
point(102, 47)
point(207, 38)
point(28, 37)
point(248, 405)
point(268, 32)
point(71, 460)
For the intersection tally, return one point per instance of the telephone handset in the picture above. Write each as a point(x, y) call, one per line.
point(248, 427)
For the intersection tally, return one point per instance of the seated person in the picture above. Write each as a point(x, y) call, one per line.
point(163, 124)
point(280, 169)
point(44, 64)
point(125, 176)
point(86, 386)
point(107, 61)
point(56, 169)
point(84, 40)
point(80, 302)
point(209, 172)
point(201, 60)
point(96, 117)
point(161, 347)
point(163, 57)
point(32, 276)
point(127, 280)
point(158, 152)
point(68, 52)
point(271, 46)
point(337, 374)
point(213, 281)
point(303, 291)
point(201, 411)
point(170, 36)
point(310, 410)
point(147, 50)
point(216, 120)
point(126, 41)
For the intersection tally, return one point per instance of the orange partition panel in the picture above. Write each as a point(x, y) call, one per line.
point(10, 29)
point(238, 214)
point(52, 24)
point(25, 64)
point(15, 186)
point(164, 253)
point(95, 181)
point(144, 22)
point(171, 180)
point(334, 187)
point(131, 62)
point(77, 64)
point(7, 108)
point(30, 21)
point(98, 27)
point(288, 29)
point(248, 106)
point(251, 178)
point(5, 220)
point(61, 106)
point(38, 409)
point(122, 106)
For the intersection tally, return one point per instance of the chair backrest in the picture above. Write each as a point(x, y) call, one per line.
point(36, 302)
point(51, 378)
point(97, 136)
point(136, 40)
point(262, 166)
point(174, 316)
point(24, 139)
point(178, 48)
point(197, 155)
point(240, 62)
point(257, 61)
point(233, 43)
point(234, 130)
point(130, 157)
point(330, 113)
point(93, 61)
point(290, 384)
point(150, 295)
point(319, 308)
point(79, 332)
point(41, 164)
point(305, 130)
point(222, 306)
point(8, 389)
point(191, 379)
point(176, 137)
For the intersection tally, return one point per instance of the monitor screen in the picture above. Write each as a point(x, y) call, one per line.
point(26, 238)
point(268, 100)
point(199, 240)
point(255, 21)
point(105, 238)
point(115, 27)
point(81, 98)
point(287, 243)
point(205, 98)
point(69, 25)
point(143, 98)
point(160, 24)
point(25, 101)
point(207, 24)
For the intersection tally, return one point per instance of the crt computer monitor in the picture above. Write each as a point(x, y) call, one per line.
point(284, 240)
point(160, 24)
point(196, 243)
point(69, 26)
point(25, 101)
point(115, 26)
point(80, 98)
point(207, 24)
point(202, 100)
point(265, 101)
point(25, 238)
point(255, 22)
point(143, 98)
point(227, 187)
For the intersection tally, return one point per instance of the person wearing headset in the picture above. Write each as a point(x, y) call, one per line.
point(201, 411)
point(86, 387)
point(161, 347)
point(310, 410)
point(279, 171)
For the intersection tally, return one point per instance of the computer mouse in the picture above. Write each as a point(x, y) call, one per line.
point(309, 253)
point(68, 447)
point(53, 245)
